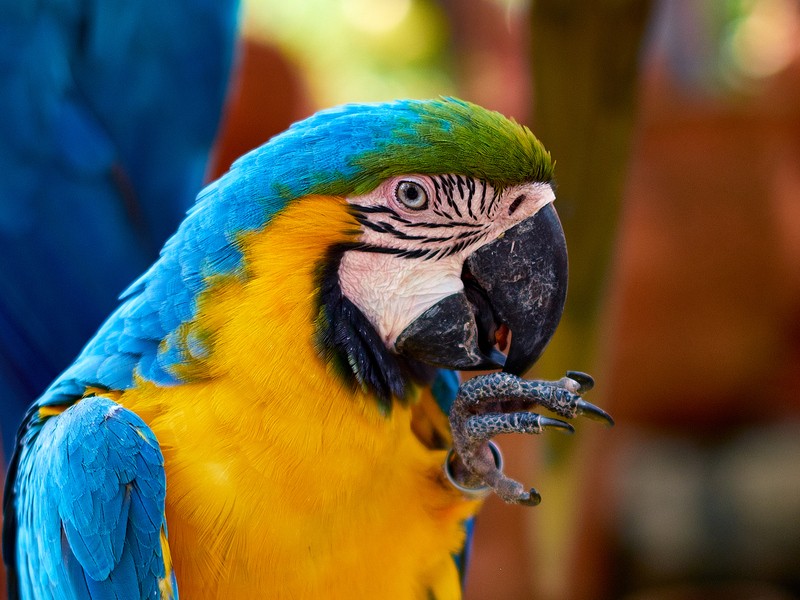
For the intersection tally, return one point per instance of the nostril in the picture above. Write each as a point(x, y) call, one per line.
point(516, 204)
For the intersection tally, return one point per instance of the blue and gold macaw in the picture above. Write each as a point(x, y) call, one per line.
point(109, 110)
point(265, 413)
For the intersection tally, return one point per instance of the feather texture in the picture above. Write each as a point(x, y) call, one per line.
point(109, 112)
point(276, 465)
point(92, 506)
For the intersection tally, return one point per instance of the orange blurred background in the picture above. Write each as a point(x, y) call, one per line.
point(696, 492)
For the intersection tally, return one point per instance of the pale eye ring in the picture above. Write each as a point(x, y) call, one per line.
point(411, 195)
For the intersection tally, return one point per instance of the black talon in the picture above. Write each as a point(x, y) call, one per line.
point(548, 423)
point(593, 412)
point(533, 498)
point(585, 381)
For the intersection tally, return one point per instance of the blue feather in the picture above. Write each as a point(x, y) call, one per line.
point(91, 489)
point(109, 111)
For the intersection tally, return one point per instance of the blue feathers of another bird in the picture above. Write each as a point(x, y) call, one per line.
point(109, 113)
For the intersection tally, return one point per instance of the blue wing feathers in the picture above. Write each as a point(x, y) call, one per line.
point(115, 370)
point(91, 490)
point(109, 111)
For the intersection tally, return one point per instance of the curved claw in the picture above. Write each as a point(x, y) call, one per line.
point(532, 498)
point(585, 381)
point(593, 412)
point(548, 423)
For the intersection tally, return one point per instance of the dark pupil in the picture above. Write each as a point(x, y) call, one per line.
point(412, 192)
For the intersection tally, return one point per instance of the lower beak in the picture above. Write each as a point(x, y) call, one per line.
point(519, 280)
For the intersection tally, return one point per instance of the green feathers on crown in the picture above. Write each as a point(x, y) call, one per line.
point(453, 136)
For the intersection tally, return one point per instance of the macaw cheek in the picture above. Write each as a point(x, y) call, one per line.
point(524, 276)
point(446, 336)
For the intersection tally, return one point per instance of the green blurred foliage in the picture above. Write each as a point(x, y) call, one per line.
point(359, 50)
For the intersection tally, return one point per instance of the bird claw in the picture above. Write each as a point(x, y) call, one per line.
point(533, 498)
point(595, 413)
point(497, 403)
point(584, 380)
point(555, 424)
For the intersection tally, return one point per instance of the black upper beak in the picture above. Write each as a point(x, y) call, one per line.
point(518, 280)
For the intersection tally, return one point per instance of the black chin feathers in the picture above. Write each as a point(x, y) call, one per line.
point(347, 339)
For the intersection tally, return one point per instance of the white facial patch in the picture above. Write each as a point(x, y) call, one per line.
point(418, 230)
point(392, 292)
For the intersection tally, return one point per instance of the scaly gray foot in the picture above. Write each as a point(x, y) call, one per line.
point(497, 403)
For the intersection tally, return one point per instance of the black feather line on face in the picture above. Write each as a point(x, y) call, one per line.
point(378, 227)
point(457, 247)
point(483, 197)
point(474, 230)
point(472, 235)
point(449, 188)
point(415, 253)
point(405, 236)
point(441, 189)
point(346, 338)
point(401, 252)
point(461, 185)
point(471, 192)
point(437, 199)
point(445, 225)
point(496, 194)
point(360, 208)
point(432, 240)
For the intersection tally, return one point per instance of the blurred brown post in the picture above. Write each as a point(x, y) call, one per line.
point(585, 58)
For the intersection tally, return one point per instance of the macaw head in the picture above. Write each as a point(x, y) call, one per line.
point(459, 243)
point(455, 242)
point(448, 265)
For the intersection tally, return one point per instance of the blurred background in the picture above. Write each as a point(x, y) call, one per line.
point(675, 125)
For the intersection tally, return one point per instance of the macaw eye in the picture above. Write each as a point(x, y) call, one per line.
point(412, 195)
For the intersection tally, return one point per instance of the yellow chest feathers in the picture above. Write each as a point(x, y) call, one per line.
point(282, 482)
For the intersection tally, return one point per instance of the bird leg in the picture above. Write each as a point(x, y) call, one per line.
point(497, 403)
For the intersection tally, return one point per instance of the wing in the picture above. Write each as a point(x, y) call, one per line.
point(85, 511)
point(109, 108)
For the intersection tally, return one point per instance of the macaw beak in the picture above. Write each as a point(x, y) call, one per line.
point(518, 281)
